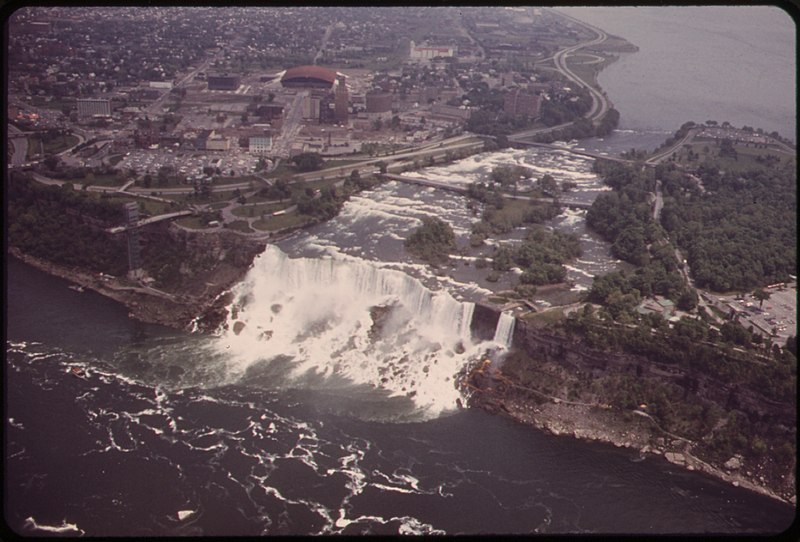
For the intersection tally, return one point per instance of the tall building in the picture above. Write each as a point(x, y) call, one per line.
point(521, 103)
point(90, 107)
point(311, 107)
point(134, 257)
point(341, 101)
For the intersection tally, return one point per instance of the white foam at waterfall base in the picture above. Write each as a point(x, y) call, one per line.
point(319, 312)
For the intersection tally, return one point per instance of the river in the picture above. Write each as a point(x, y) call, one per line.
point(723, 63)
point(328, 406)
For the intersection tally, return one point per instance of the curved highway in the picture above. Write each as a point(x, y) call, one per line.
point(600, 103)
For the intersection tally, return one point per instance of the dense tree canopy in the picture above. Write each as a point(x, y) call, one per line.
point(64, 226)
point(433, 241)
point(741, 232)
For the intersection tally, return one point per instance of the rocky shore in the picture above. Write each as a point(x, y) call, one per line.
point(197, 301)
point(190, 307)
point(490, 389)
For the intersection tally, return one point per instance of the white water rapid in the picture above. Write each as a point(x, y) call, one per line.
point(349, 318)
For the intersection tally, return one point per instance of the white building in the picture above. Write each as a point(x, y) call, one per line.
point(426, 52)
point(260, 145)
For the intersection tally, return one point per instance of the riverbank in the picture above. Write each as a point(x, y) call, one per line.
point(493, 390)
point(197, 302)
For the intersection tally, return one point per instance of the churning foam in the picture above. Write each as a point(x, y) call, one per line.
point(350, 318)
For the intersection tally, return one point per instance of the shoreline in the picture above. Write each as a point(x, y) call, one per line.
point(146, 305)
point(496, 395)
point(595, 423)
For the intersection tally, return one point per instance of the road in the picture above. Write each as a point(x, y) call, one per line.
point(154, 107)
point(291, 126)
point(661, 155)
point(324, 43)
point(599, 102)
point(20, 143)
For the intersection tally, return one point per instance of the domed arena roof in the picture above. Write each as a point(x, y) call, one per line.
point(314, 75)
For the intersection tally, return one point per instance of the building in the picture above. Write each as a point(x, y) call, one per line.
point(269, 111)
point(259, 145)
point(315, 77)
point(311, 107)
point(223, 82)
point(131, 210)
point(520, 103)
point(378, 101)
point(450, 112)
point(218, 143)
point(93, 107)
point(341, 101)
point(427, 52)
point(166, 85)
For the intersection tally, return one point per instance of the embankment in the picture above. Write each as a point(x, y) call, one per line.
point(558, 392)
point(193, 295)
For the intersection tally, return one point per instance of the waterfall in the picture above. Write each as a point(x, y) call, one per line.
point(504, 332)
point(347, 317)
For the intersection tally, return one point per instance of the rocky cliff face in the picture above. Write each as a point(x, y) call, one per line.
point(484, 321)
point(561, 385)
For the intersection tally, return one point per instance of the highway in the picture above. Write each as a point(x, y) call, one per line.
point(600, 103)
point(20, 143)
point(661, 155)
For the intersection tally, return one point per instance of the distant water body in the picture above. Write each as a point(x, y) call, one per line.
point(734, 63)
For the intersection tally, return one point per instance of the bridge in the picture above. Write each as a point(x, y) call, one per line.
point(588, 154)
point(151, 220)
point(427, 182)
point(463, 190)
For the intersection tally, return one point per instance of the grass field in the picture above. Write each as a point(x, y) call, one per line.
point(194, 222)
point(54, 146)
point(550, 317)
point(256, 210)
point(580, 66)
point(275, 223)
point(746, 156)
point(240, 225)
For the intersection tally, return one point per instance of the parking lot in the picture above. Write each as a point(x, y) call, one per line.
point(189, 163)
point(778, 313)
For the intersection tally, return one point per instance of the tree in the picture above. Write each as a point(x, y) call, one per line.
point(688, 300)
point(432, 241)
point(383, 167)
point(762, 295)
point(308, 161)
point(52, 162)
point(548, 184)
